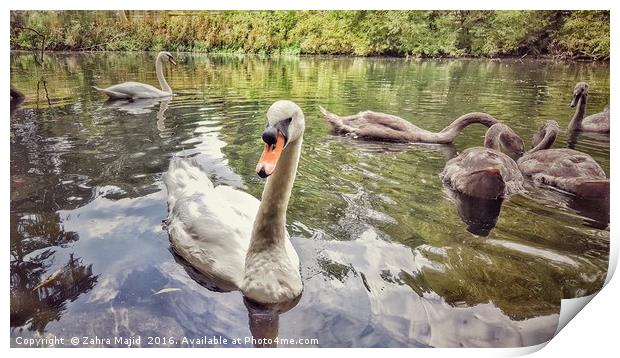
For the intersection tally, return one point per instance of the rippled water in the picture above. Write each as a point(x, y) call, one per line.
point(386, 257)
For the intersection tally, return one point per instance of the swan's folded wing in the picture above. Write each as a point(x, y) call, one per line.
point(133, 89)
point(112, 94)
point(184, 178)
point(561, 163)
point(209, 227)
point(212, 229)
point(598, 122)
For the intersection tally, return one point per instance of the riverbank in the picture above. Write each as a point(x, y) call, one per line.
point(509, 58)
point(423, 34)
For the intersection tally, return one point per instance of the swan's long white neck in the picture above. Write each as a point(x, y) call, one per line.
point(159, 68)
point(270, 222)
point(580, 113)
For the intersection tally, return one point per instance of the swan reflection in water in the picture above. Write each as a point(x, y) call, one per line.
point(448, 151)
point(602, 139)
point(595, 211)
point(142, 106)
point(263, 319)
point(163, 106)
point(134, 106)
point(478, 214)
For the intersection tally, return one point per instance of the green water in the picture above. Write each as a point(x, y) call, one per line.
point(386, 259)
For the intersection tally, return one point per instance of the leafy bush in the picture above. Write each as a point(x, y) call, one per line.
point(362, 33)
point(585, 33)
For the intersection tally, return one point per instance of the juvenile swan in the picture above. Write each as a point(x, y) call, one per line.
point(486, 172)
point(230, 236)
point(566, 169)
point(386, 127)
point(134, 90)
point(598, 122)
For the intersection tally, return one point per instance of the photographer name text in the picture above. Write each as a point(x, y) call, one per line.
point(145, 341)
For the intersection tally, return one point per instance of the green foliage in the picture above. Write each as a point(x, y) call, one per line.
point(330, 32)
point(585, 33)
point(362, 33)
point(419, 33)
point(509, 32)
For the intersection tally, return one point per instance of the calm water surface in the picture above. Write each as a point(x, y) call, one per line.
point(388, 256)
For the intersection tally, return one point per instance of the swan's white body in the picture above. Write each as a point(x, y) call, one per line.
point(231, 237)
point(211, 226)
point(136, 90)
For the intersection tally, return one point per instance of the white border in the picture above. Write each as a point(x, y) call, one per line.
point(593, 331)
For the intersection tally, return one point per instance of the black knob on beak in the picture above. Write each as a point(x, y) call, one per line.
point(262, 173)
point(270, 135)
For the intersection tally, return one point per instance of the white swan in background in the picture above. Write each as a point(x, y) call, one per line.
point(229, 236)
point(134, 90)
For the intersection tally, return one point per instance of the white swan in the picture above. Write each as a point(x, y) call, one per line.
point(134, 90)
point(229, 236)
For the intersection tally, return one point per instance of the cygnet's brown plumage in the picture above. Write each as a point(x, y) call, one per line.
point(486, 172)
point(565, 169)
point(598, 122)
point(386, 127)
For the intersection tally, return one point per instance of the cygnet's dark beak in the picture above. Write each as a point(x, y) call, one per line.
point(573, 103)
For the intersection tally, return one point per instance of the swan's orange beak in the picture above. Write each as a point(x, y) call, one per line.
point(269, 159)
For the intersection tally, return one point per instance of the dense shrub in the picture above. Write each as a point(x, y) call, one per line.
point(363, 33)
point(585, 33)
